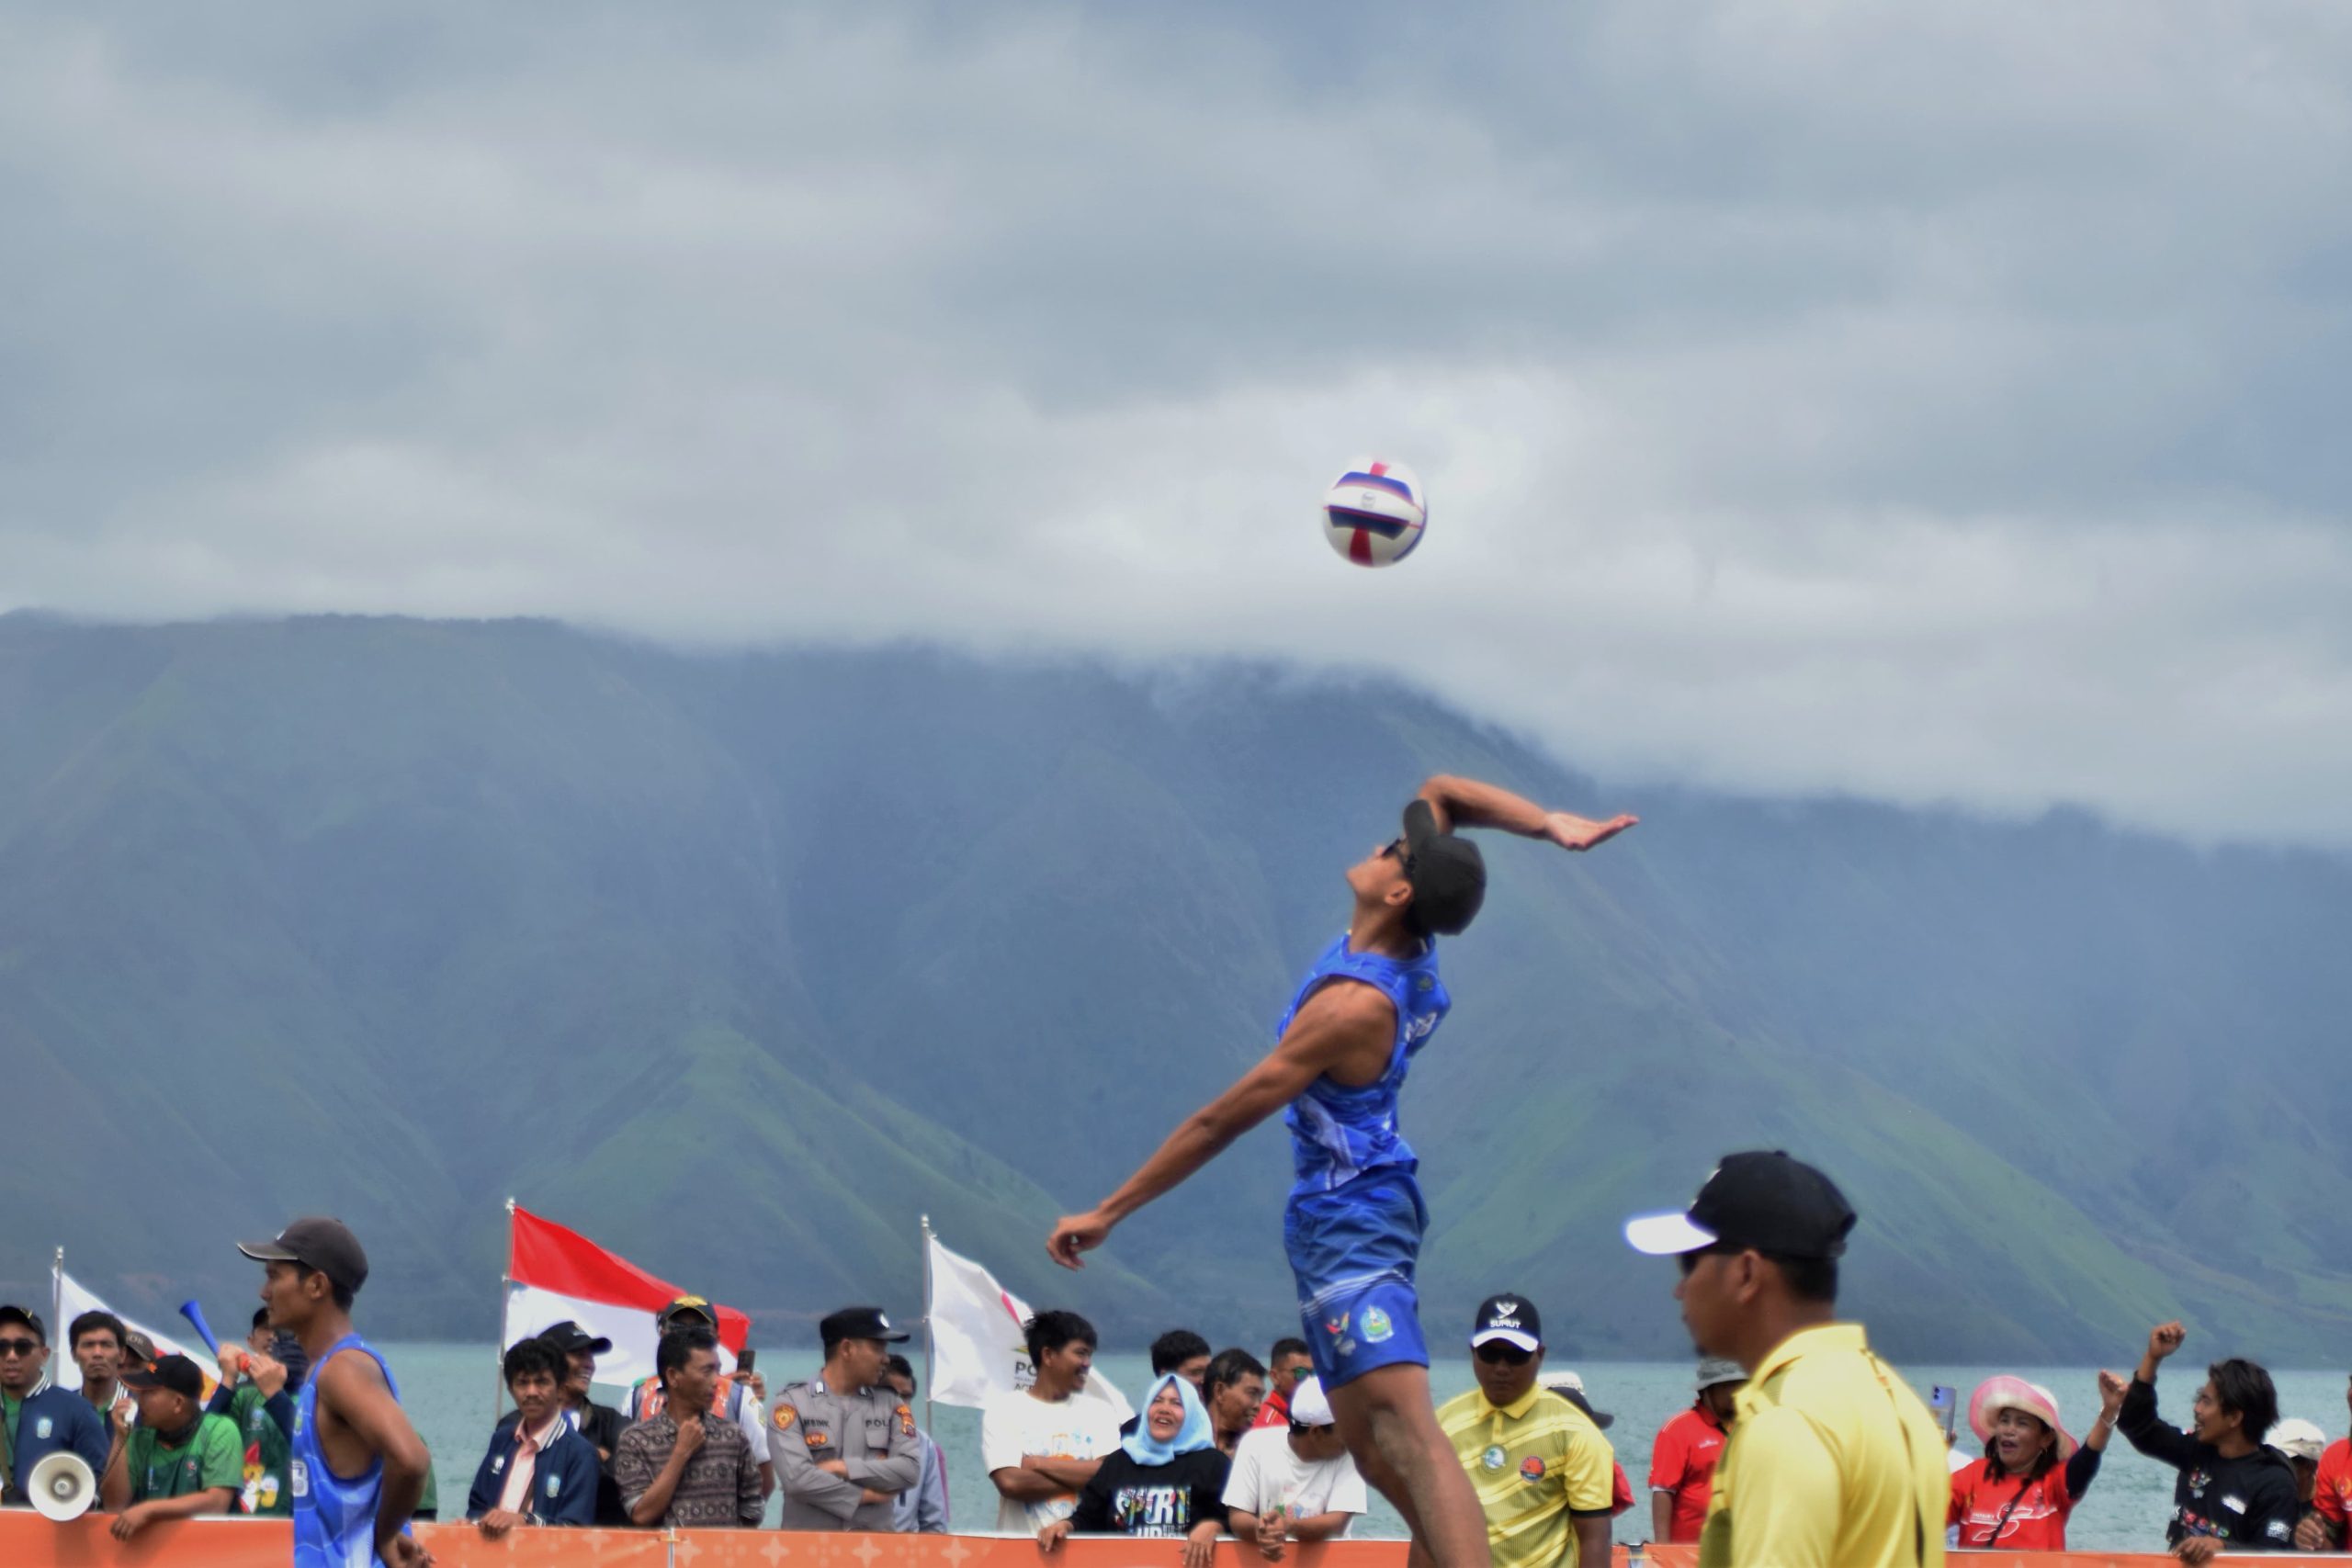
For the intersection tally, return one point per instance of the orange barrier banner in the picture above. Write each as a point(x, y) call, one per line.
point(27, 1541)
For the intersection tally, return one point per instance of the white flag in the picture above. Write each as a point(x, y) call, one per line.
point(73, 1301)
point(977, 1344)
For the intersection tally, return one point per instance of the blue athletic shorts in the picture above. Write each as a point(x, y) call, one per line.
point(1353, 1251)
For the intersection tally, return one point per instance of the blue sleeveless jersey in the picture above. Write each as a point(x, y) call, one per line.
point(334, 1518)
point(1337, 1132)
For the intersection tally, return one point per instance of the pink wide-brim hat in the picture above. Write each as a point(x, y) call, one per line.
point(1996, 1394)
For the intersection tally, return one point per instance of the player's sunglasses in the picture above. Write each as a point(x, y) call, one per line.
point(1496, 1353)
point(19, 1346)
point(1396, 850)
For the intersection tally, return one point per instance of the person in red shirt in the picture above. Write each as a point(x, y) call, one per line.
point(2321, 1528)
point(1682, 1460)
point(2033, 1472)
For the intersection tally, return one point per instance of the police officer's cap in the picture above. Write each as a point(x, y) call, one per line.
point(858, 1323)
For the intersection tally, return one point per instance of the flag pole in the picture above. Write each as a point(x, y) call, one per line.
point(498, 1354)
point(928, 1369)
point(57, 1296)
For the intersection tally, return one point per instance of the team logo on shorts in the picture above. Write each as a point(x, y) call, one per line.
point(1494, 1458)
point(1531, 1469)
point(1376, 1326)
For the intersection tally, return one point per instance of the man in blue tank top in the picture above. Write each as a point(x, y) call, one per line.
point(358, 1468)
point(1353, 1225)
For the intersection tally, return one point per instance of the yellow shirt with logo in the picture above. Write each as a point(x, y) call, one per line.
point(1533, 1462)
point(1833, 1462)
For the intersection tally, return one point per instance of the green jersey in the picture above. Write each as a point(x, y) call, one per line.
point(265, 1450)
point(213, 1456)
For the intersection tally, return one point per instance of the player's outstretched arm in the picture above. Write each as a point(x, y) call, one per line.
point(1335, 1021)
point(1468, 803)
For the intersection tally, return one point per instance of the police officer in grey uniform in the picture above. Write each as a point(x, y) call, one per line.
point(844, 1443)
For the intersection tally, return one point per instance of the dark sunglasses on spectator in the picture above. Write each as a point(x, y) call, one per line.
point(19, 1346)
point(1393, 849)
point(1689, 1262)
point(1496, 1352)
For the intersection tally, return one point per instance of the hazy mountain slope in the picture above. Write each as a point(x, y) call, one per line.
point(742, 963)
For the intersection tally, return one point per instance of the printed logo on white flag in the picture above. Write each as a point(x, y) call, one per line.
point(976, 1345)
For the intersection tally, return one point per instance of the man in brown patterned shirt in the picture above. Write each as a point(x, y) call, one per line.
point(688, 1471)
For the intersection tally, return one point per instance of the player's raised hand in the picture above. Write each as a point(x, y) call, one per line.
point(1571, 831)
point(2164, 1339)
point(1074, 1234)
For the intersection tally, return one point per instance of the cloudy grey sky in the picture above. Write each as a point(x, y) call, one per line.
point(1936, 402)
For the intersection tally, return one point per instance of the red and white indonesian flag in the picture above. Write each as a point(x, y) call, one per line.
point(73, 1300)
point(553, 1274)
point(977, 1344)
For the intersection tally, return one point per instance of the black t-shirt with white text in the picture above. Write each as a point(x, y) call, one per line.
point(2251, 1501)
point(1129, 1498)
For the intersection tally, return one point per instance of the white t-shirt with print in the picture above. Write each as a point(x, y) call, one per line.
point(1018, 1422)
point(1268, 1474)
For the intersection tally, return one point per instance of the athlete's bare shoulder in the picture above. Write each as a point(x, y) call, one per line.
point(1346, 1030)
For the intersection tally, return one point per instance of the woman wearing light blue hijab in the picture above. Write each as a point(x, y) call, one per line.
point(1166, 1480)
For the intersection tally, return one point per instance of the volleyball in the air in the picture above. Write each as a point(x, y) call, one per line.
point(1375, 513)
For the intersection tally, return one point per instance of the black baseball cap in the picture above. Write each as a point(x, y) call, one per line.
point(684, 1306)
point(15, 1313)
point(858, 1323)
point(1509, 1318)
point(568, 1337)
point(1447, 873)
point(315, 1242)
point(1760, 1198)
point(176, 1373)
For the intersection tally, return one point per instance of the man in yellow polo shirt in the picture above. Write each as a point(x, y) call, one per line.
point(1541, 1467)
point(1832, 1462)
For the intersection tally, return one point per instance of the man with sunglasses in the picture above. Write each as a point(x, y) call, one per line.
point(36, 1420)
point(1544, 1472)
point(1831, 1458)
point(1353, 1224)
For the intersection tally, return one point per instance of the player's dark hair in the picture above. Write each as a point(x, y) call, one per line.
point(2240, 1385)
point(261, 1317)
point(1809, 1278)
point(534, 1355)
point(1287, 1347)
point(902, 1368)
point(1052, 1330)
point(678, 1347)
point(1227, 1367)
point(90, 1323)
point(1175, 1347)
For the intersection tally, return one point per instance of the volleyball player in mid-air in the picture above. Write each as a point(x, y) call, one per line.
point(1354, 1220)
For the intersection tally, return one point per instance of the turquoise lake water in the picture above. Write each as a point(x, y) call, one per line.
point(449, 1388)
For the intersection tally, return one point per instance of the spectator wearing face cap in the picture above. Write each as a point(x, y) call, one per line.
point(1569, 1386)
point(1682, 1460)
point(1294, 1481)
point(40, 1419)
point(258, 1381)
point(2302, 1442)
point(740, 1398)
point(1539, 1465)
point(846, 1442)
point(1831, 1459)
point(179, 1462)
point(602, 1425)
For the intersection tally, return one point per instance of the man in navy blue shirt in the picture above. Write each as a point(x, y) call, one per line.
point(39, 1423)
point(539, 1470)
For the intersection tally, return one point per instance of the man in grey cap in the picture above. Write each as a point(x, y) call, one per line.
point(844, 1442)
point(1683, 1460)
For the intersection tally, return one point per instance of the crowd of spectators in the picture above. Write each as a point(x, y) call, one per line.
point(1225, 1445)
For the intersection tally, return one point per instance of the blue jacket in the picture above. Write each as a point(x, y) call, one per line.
point(61, 1418)
point(564, 1484)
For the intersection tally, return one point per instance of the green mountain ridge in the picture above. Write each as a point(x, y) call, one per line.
point(741, 962)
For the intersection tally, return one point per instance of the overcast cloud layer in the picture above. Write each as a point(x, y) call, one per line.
point(1935, 402)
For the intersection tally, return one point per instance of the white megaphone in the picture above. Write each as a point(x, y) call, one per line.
point(62, 1486)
